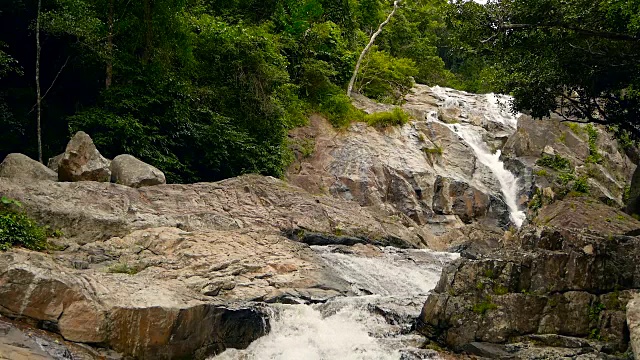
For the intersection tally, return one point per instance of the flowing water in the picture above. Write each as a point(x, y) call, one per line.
point(389, 291)
point(494, 108)
point(389, 287)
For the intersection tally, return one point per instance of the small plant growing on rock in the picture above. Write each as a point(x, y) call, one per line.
point(436, 151)
point(397, 116)
point(555, 162)
point(17, 229)
point(581, 185)
point(500, 290)
point(594, 156)
point(484, 306)
point(123, 268)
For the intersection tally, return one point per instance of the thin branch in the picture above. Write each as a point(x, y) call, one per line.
point(601, 34)
point(52, 83)
point(366, 49)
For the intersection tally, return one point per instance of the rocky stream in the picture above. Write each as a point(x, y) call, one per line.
point(453, 236)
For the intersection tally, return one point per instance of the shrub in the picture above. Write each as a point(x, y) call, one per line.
point(339, 111)
point(17, 229)
point(394, 117)
point(555, 162)
point(386, 78)
point(541, 172)
point(594, 156)
point(581, 185)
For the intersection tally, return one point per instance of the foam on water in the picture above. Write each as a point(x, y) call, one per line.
point(495, 109)
point(345, 328)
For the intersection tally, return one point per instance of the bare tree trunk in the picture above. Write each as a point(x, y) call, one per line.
point(39, 98)
point(369, 45)
point(109, 75)
point(148, 21)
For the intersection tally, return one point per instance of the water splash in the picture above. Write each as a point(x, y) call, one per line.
point(495, 109)
point(348, 328)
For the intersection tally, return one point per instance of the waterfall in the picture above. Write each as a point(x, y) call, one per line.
point(352, 328)
point(494, 110)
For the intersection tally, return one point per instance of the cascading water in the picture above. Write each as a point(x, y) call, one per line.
point(353, 328)
point(495, 110)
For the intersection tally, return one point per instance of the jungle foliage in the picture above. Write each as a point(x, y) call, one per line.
point(203, 89)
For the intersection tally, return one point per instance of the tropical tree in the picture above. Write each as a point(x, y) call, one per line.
point(578, 59)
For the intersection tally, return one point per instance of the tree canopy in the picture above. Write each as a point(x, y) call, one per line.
point(579, 59)
point(201, 89)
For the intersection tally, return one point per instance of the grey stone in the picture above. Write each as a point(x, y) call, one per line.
point(19, 166)
point(129, 171)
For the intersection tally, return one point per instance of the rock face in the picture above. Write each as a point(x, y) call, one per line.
point(90, 211)
point(633, 321)
point(81, 161)
point(404, 170)
point(23, 167)
point(633, 205)
point(606, 177)
point(174, 271)
point(565, 283)
point(137, 318)
point(54, 162)
point(129, 171)
point(426, 172)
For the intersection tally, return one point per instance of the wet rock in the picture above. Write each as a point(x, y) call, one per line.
point(81, 161)
point(129, 171)
point(19, 166)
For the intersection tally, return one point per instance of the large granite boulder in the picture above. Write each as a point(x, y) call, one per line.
point(565, 283)
point(20, 166)
point(129, 171)
point(82, 161)
point(136, 316)
point(91, 211)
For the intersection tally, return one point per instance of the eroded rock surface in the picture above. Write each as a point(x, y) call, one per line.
point(81, 161)
point(175, 270)
point(90, 211)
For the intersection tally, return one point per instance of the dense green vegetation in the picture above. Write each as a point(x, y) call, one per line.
point(208, 89)
point(203, 90)
point(17, 229)
point(579, 59)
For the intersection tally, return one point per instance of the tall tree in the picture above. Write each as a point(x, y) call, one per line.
point(364, 52)
point(38, 94)
point(579, 59)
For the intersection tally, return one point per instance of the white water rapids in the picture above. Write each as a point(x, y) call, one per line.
point(355, 328)
point(495, 109)
point(390, 287)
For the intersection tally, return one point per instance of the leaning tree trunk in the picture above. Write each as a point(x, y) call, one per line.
point(38, 95)
point(369, 45)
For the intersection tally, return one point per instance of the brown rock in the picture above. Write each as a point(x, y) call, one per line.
point(82, 161)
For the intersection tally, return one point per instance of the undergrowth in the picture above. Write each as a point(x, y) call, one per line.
point(17, 229)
